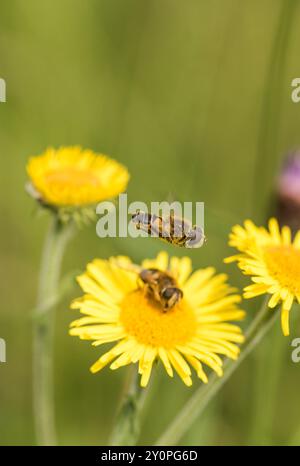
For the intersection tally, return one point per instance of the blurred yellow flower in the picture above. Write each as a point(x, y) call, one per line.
point(72, 176)
point(273, 261)
point(194, 331)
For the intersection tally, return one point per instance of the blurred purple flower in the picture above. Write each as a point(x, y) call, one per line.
point(288, 192)
point(289, 180)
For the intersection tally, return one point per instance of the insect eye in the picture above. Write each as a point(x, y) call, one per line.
point(196, 238)
point(169, 292)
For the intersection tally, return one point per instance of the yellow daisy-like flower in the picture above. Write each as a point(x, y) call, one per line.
point(196, 330)
point(71, 176)
point(272, 259)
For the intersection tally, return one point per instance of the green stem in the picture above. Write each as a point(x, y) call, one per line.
point(127, 426)
point(268, 372)
point(43, 330)
point(202, 396)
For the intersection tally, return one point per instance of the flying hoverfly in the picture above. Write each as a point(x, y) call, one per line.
point(172, 229)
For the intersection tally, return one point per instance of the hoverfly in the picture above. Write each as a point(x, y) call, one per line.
point(173, 229)
point(162, 287)
point(158, 285)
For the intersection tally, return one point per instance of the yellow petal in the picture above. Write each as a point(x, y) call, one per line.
point(285, 321)
point(274, 300)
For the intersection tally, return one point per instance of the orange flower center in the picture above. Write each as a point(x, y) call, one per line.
point(71, 177)
point(145, 320)
point(283, 263)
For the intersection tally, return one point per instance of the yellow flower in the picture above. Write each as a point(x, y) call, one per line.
point(71, 176)
point(273, 261)
point(194, 331)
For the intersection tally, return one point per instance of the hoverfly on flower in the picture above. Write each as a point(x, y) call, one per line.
point(159, 286)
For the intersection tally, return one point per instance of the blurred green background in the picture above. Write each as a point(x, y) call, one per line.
point(194, 98)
